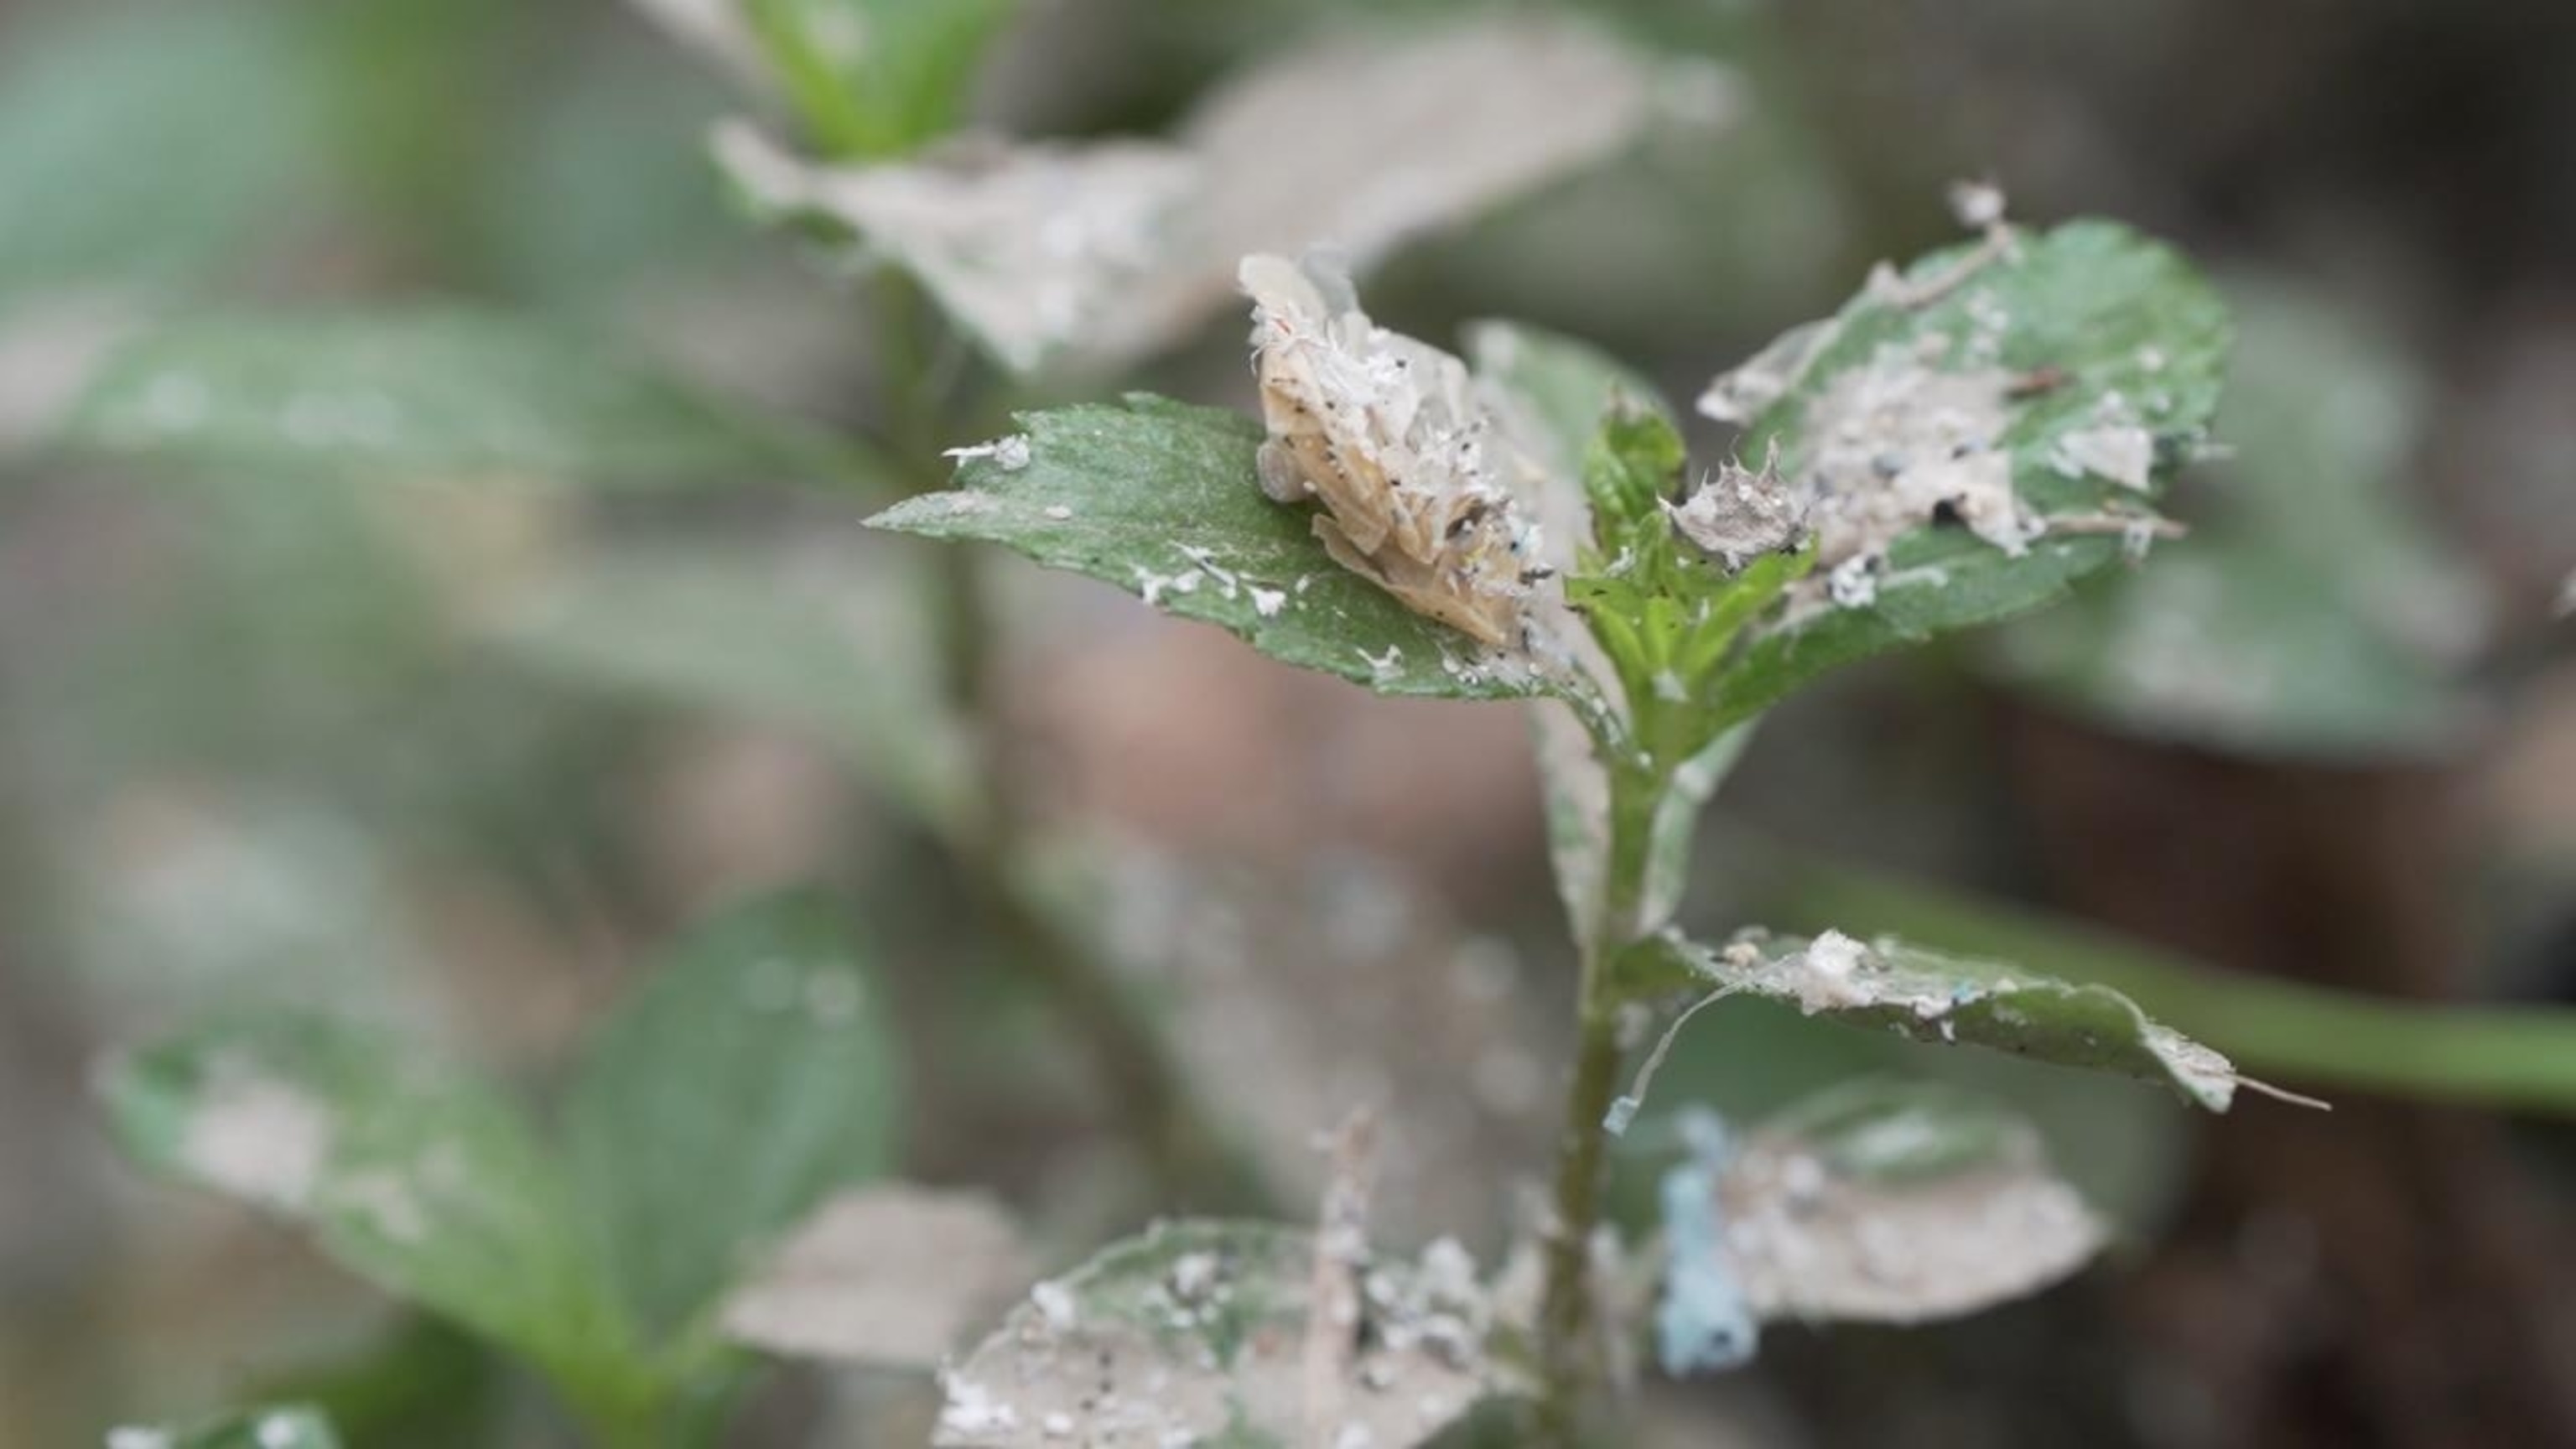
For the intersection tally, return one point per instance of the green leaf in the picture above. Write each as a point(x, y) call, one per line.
point(724, 1098)
point(437, 394)
point(144, 144)
point(289, 1427)
point(1887, 985)
point(1894, 1202)
point(1198, 1332)
point(844, 658)
point(1161, 499)
point(2312, 614)
point(2078, 329)
point(411, 1173)
point(1666, 620)
point(877, 78)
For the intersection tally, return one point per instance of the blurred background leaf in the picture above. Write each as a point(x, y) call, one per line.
point(2315, 613)
point(756, 1056)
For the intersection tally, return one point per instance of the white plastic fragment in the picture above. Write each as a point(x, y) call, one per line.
point(1010, 453)
point(2125, 453)
point(1739, 514)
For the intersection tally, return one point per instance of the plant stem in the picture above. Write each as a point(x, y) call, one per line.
point(1566, 1334)
point(1569, 1339)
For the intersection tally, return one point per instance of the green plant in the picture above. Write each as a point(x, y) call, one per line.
point(1963, 442)
point(1960, 443)
point(595, 1252)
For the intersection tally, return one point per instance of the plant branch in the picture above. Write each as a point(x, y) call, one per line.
point(1569, 1339)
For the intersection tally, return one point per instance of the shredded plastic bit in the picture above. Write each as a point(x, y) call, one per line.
point(1738, 514)
point(1385, 431)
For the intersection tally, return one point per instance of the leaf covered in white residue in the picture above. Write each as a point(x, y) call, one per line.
point(1933, 997)
point(891, 1274)
point(1199, 1329)
point(1971, 436)
point(408, 1172)
point(1106, 252)
point(1362, 142)
point(1894, 1203)
point(1033, 249)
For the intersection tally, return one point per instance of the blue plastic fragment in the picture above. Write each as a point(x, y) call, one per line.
point(1704, 1324)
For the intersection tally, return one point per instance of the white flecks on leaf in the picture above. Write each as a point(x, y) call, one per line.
point(891, 1274)
point(1930, 996)
point(1387, 433)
